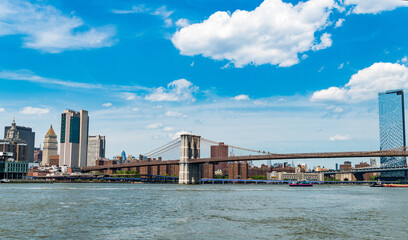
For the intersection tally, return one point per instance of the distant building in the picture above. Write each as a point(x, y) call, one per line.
point(392, 130)
point(373, 162)
point(96, 149)
point(38, 155)
point(50, 147)
point(345, 165)
point(28, 136)
point(297, 175)
point(123, 155)
point(9, 169)
point(220, 150)
point(74, 139)
point(13, 144)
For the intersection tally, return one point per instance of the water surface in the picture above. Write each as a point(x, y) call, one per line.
point(159, 211)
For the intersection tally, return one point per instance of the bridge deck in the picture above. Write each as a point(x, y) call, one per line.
point(258, 157)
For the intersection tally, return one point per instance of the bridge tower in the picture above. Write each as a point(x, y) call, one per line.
point(190, 149)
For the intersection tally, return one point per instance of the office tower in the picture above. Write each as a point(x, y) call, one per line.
point(28, 136)
point(96, 149)
point(13, 144)
point(74, 138)
point(123, 155)
point(50, 147)
point(392, 130)
point(38, 155)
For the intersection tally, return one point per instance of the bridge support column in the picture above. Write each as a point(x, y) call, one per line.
point(190, 149)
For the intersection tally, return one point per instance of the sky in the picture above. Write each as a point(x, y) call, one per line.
point(275, 75)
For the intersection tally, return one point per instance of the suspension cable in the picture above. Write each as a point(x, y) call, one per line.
point(245, 149)
point(172, 142)
point(163, 150)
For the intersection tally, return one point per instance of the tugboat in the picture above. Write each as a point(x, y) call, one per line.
point(303, 183)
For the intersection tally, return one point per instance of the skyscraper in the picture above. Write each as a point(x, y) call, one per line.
point(28, 136)
point(13, 144)
point(50, 147)
point(96, 149)
point(392, 129)
point(74, 138)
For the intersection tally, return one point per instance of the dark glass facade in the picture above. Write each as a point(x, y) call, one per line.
point(63, 124)
point(392, 129)
point(74, 129)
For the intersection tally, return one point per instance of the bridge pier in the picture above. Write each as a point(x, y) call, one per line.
point(190, 149)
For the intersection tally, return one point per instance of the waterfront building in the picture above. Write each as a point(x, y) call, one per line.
point(296, 176)
point(50, 147)
point(27, 135)
point(96, 149)
point(13, 144)
point(74, 139)
point(392, 130)
point(373, 162)
point(346, 165)
point(10, 169)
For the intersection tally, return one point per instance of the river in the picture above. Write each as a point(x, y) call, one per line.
point(171, 211)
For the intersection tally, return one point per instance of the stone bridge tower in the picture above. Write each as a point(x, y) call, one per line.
point(190, 149)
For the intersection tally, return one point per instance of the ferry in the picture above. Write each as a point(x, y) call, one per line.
point(379, 184)
point(303, 183)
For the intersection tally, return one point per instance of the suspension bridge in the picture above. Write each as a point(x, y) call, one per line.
point(189, 165)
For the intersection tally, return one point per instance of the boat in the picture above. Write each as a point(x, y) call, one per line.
point(377, 184)
point(303, 183)
point(395, 185)
point(4, 180)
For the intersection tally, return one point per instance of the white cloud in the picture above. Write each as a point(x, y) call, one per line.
point(404, 59)
point(339, 23)
point(182, 22)
point(340, 138)
point(34, 111)
point(340, 66)
point(260, 103)
point(325, 42)
point(374, 6)
point(178, 134)
point(176, 91)
point(335, 109)
point(135, 109)
point(154, 126)
point(129, 96)
point(2, 110)
point(161, 12)
point(367, 83)
point(175, 114)
point(274, 33)
point(45, 28)
point(107, 104)
point(241, 97)
point(168, 129)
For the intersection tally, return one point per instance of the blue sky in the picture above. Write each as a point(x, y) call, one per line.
point(280, 76)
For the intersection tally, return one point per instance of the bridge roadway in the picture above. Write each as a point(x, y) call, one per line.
point(365, 170)
point(284, 156)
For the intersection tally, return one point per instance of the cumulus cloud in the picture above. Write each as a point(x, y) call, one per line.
point(175, 114)
point(34, 111)
point(178, 134)
point(129, 96)
point(45, 28)
point(340, 138)
point(135, 109)
point(154, 126)
point(274, 33)
point(339, 23)
point(176, 91)
point(182, 22)
point(2, 110)
point(366, 84)
point(168, 129)
point(340, 66)
point(241, 97)
point(374, 6)
point(107, 104)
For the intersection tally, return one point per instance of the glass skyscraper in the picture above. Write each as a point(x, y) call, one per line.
point(392, 129)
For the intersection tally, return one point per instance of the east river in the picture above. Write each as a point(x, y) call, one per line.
point(158, 211)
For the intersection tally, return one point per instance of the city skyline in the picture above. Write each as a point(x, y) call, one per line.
point(147, 81)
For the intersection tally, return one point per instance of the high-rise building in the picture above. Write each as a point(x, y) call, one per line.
point(74, 138)
point(392, 129)
point(50, 147)
point(28, 136)
point(123, 155)
point(13, 144)
point(37, 155)
point(96, 149)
